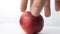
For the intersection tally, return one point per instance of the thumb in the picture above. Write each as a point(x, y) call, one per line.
point(36, 7)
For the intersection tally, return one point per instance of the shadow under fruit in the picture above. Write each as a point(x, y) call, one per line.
point(31, 24)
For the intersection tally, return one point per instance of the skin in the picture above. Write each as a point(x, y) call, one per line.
point(34, 24)
point(37, 5)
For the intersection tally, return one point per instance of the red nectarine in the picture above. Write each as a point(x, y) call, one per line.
point(30, 23)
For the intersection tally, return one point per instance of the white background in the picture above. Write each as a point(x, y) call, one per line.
point(10, 14)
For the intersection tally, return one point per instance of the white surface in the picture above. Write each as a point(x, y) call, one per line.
point(16, 29)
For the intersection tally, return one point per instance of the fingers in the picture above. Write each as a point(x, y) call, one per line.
point(23, 5)
point(57, 5)
point(31, 2)
point(36, 7)
point(47, 8)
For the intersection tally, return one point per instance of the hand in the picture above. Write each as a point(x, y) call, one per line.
point(37, 5)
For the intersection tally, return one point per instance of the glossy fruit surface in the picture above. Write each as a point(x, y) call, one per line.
point(30, 23)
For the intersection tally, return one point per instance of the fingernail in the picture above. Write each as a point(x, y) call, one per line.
point(35, 11)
